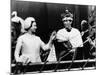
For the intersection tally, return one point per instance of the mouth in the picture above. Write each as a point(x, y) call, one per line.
point(67, 25)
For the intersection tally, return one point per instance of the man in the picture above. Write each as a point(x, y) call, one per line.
point(68, 36)
point(29, 44)
point(88, 36)
point(85, 33)
point(92, 41)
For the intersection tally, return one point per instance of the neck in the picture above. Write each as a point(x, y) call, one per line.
point(68, 29)
point(30, 32)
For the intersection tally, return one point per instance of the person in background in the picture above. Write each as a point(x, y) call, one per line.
point(88, 36)
point(16, 19)
point(85, 35)
point(17, 24)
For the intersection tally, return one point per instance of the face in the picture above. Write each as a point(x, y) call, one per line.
point(67, 21)
point(34, 26)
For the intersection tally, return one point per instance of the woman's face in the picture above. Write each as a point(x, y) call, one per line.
point(34, 27)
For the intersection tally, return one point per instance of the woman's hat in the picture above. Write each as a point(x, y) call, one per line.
point(28, 22)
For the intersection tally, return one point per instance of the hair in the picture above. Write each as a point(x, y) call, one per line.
point(84, 25)
point(66, 14)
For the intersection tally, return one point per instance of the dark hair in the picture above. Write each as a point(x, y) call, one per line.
point(85, 26)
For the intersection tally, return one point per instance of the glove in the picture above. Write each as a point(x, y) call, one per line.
point(24, 59)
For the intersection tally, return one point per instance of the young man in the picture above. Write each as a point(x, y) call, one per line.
point(70, 37)
point(29, 44)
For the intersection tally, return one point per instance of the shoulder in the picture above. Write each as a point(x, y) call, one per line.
point(21, 37)
point(37, 37)
point(75, 30)
point(61, 30)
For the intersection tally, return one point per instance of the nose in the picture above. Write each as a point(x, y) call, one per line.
point(66, 22)
point(35, 27)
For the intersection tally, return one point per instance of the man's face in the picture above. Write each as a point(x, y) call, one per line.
point(67, 21)
point(34, 26)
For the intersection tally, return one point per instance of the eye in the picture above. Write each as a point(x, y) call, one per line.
point(67, 20)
